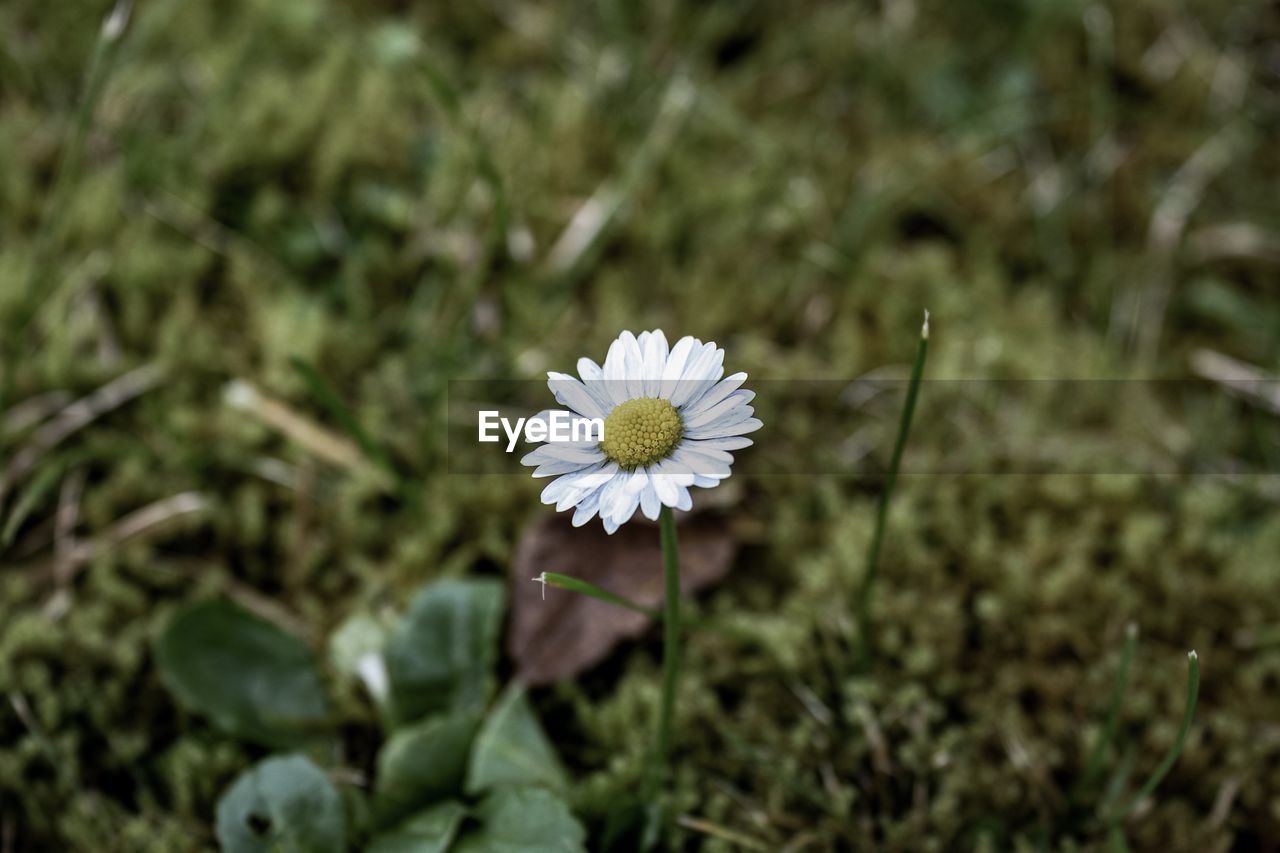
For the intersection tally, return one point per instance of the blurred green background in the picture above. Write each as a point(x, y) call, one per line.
point(268, 203)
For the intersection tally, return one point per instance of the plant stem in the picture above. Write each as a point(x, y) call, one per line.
point(101, 62)
point(670, 651)
point(1094, 765)
point(1170, 757)
point(882, 511)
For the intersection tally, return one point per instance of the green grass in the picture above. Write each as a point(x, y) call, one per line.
point(346, 204)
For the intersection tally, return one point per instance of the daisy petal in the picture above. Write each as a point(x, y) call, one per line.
point(613, 495)
point(748, 425)
point(564, 451)
point(624, 508)
point(707, 365)
point(654, 346)
point(649, 503)
point(593, 479)
point(588, 478)
point(571, 498)
point(666, 490)
point(593, 380)
point(717, 413)
point(702, 451)
point(557, 467)
point(702, 371)
point(633, 361)
point(676, 361)
point(586, 509)
point(614, 375)
point(716, 393)
point(639, 479)
point(700, 465)
point(558, 488)
point(726, 443)
point(670, 469)
point(568, 391)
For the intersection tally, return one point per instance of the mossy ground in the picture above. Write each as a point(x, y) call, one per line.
point(378, 189)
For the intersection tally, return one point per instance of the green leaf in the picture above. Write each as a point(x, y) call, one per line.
point(431, 831)
point(441, 656)
point(244, 673)
point(512, 748)
point(524, 820)
point(282, 805)
point(422, 764)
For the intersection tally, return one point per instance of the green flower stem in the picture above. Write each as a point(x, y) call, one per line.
point(101, 63)
point(1094, 765)
point(882, 511)
point(1170, 757)
point(670, 652)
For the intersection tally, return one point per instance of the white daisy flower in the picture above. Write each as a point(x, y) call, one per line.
point(670, 422)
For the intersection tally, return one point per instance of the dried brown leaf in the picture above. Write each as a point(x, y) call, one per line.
point(569, 633)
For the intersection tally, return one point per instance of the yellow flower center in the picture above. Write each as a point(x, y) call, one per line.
point(640, 432)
